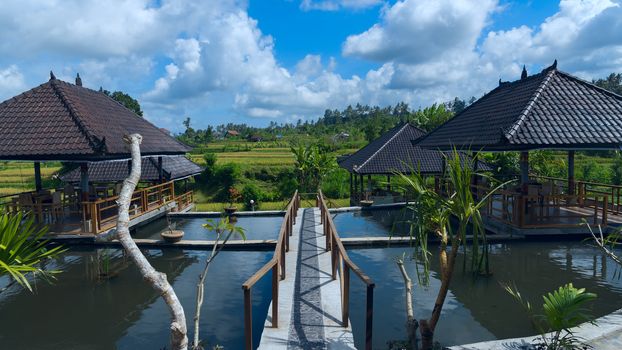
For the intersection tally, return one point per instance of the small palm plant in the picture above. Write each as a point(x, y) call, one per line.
point(563, 308)
point(224, 229)
point(432, 213)
point(22, 249)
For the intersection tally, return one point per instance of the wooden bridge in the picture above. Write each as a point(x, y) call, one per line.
point(310, 285)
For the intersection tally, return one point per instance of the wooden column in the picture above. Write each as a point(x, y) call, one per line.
point(524, 170)
point(38, 184)
point(351, 187)
point(388, 183)
point(369, 183)
point(570, 172)
point(84, 181)
point(355, 190)
point(362, 186)
point(160, 171)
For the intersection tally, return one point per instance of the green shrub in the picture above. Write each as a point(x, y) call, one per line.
point(252, 192)
point(210, 165)
point(337, 184)
point(228, 175)
point(616, 171)
point(287, 183)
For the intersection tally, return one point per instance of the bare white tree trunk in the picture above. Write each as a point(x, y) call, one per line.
point(411, 322)
point(157, 280)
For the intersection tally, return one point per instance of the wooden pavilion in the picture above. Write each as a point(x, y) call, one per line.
point(59, 121)
point(549, 110)
point(393, 152)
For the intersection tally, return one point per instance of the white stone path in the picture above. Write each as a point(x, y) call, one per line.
point(309, 300)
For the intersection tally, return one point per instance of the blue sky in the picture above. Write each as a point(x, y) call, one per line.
point(283, 60)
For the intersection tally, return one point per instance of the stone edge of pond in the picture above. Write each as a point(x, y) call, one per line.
point(605, 334)
point(217, 214)
point(256, 244)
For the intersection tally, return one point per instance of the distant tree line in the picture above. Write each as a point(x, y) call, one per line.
point(354, 122)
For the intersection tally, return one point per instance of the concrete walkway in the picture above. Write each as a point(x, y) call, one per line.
point(310, 301)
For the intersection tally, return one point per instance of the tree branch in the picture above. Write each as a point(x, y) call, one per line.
point(157, 280)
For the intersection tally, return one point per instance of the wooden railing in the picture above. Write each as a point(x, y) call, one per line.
point(554, 210)
point(587, 189)
point(102, 213)
point(184, 200)
point(277, 266)
point(341, 261)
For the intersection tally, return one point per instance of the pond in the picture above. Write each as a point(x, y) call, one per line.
point(83, 310)
point(372, 223)
point(478, 309)
point(255, 227)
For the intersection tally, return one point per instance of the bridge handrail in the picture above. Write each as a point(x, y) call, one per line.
point(340, 260)
point(277, 265)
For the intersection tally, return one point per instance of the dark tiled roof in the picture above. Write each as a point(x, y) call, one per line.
point(551, 109)
point(174, 167)
point(61, 121)
point(394, 152)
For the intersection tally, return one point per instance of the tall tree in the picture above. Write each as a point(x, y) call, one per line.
point(128, 101)
point(612, 83)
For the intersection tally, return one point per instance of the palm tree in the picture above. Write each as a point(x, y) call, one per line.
point(432, 214)
point(22, 249)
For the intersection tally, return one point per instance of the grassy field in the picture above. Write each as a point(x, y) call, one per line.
point(333, 203)
point(18, 177)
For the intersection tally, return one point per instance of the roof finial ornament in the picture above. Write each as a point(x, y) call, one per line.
point(52, 76)
point(554, 64)
point(523, 75)
point(78, 80)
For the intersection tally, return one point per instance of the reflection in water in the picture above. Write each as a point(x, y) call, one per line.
point(372, 223)
point(479, 309)
point(117, 310)
point(264, 227)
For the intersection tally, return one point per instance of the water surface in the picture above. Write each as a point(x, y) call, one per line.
point(85, 311)
point(260, 227)
point(478, 309)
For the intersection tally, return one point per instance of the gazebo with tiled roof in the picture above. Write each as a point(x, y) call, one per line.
point(549, 110)
point(59, 121)
point(393, 152)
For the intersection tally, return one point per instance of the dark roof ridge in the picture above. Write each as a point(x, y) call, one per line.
point(517, 124)
point(590, 84)
point(94, 142)
point(400, 129)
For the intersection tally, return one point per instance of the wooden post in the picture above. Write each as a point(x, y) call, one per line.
point(345, 303)
point(84, 181)
point(160, 171)
point(248, 320)
point(355, 191)
point(362, 188)
point(38, 184)
point(571, 186)
point(275, 295)
point(351, 188)
point(605, 207)
point(524, 170)
point(388, 183)
point(369, 317)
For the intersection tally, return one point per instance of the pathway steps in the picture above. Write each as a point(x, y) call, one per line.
point(310, 300)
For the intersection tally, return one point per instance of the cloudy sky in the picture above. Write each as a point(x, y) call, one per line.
point(281, 60)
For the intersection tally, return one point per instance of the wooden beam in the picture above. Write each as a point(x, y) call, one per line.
point(84, 181)
point(571, 172)
point(524, 170)
point(38, 183)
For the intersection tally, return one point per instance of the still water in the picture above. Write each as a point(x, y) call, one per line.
point(264, 227)
point(372, 223)
point(478, 309)
point(85, 310)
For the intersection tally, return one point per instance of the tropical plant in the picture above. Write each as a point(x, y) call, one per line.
point(313, 163)
point(22, 249)
point(234, 196)
point(222, 227)
point(432, 212)
point(564, 308)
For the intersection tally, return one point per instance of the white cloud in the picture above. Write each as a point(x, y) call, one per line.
point(183, 58)
point(418, 31)
point(334, 5)
point(11, 81)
